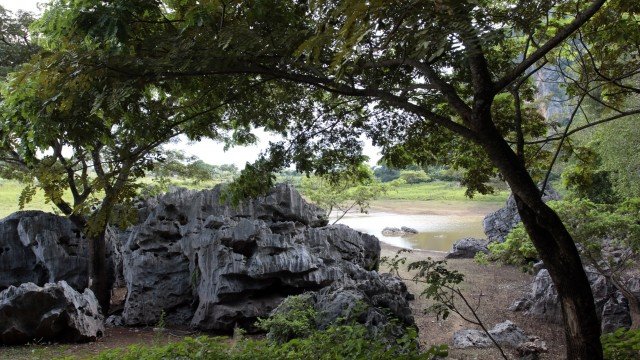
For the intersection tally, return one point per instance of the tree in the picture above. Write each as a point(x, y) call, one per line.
point(353, 189)
point(429, 81)
point(91, 134)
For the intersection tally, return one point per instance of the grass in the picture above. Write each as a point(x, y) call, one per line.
point(440, 190)
point(10, 192)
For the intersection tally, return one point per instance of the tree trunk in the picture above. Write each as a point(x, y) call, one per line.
point(555, 246)
point(98, 271)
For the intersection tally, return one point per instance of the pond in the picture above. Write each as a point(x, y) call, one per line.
point(436, 231)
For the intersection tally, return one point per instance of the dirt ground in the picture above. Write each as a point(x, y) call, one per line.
point(496, 287)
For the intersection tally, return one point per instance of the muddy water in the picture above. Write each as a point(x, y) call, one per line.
point(436, 232)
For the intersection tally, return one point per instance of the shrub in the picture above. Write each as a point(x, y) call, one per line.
point(414, 176)
point(517, 249)
point(621, 344)
point(294, 318)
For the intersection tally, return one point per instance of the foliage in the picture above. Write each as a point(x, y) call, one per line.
point(619, 155)
point(517, 249)
point(622, 344)
point(336, 342)
point(585, 179)
point(592, 225)
point(385, 174)
point(351, 189)
point(295, 318)
point(414, 176)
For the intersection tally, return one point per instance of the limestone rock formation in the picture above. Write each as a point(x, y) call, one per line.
point(542, 301)
point(214, 266)
point(498, 224)
point(55, 312)
point(39, 247)
point(379, 302)
point(467, 248)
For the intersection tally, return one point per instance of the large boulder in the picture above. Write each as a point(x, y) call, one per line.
point(55, 312)
point(467, 248)
point(214, 266)
point(39, 247)
point(612, 308)
point(498, 224)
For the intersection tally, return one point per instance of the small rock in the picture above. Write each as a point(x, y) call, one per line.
point(505, 334)
point(409, 230)
point(114, 321)
point(532, 348)
point(467, 248)
point(538, 266)
point(392, 231)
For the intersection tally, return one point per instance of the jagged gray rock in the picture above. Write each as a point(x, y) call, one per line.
point(498, 224)
point(40, 247)
point(542, 301)
point(379, 302)
point(505, 334)
point(467, 248)
point(55, 312)
point(213, 266)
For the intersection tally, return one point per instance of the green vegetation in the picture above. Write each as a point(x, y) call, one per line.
point(622, 344)
point(336, 342)
point(351, 189)
point(295, 319)
point(440, 190)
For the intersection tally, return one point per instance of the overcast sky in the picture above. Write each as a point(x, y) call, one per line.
point(206, 150)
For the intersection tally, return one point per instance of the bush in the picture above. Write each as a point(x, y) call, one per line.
point(517, 249)
point(294, 318)
point(414, 176)
point(621, 345)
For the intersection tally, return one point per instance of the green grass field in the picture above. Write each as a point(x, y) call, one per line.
point(10, 192)
point(440, 190)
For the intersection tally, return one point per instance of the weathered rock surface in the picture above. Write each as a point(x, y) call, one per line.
point(505, 334)
point(467, 248)
point(612, 308)
point(55, 312)
point(498, 224)
point(214, 266)
point(379, 302)
point(39, 247)
point(401, 231)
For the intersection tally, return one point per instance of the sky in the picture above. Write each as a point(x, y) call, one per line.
point(207, 150)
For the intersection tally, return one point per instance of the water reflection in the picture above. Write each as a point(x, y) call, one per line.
point(436, 232)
